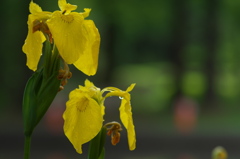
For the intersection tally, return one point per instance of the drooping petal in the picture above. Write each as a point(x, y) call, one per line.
point(88, 61)
point(33, 44)
point(67, 34)
point(113, 91)
point(126, 116)
point(127, 120)
point(125, 111)
point(83, 119)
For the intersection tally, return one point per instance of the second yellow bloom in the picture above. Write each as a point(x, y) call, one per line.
point(85, 110)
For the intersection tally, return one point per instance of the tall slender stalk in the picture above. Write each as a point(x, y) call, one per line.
point(27, 144)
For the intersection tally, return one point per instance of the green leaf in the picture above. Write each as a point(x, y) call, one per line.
point(102, 154)
point(96, 147)
point(41, 90)
point(29, 102)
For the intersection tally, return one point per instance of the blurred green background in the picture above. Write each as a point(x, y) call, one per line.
point(183, 56)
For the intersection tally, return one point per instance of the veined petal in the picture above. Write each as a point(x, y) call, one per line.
point(67, 34)
point(83, 119)
point(33, 44)
point(126, 118)
point(88, 60)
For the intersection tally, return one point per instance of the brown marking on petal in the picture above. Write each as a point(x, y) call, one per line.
point(67, 18)
point(43, 27)
point(36, 26)
point(82, 104)
point(64, 12)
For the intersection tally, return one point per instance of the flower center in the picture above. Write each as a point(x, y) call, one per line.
point(82, 104)
point(67, 18)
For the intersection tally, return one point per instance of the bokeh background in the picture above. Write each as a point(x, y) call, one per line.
point(184, 56)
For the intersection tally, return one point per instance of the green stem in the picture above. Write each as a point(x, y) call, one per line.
point(96, 146)
point(27, 144)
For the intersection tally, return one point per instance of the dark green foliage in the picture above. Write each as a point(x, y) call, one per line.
point(96, 147)
point(41, 90)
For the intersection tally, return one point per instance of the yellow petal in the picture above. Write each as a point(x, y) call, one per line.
point(113, 91)
point(66, 7)
point(34, 8)
point(67, 34)
point(103, 110)
point(126, 118)
point(88, 84)
point(88, 60)
point(83, 119)
point(130, 88)
point(61, 4)
point(125, 112)
point(93, 91)
point(33, 45)
point(119, 93)
point(86, 13)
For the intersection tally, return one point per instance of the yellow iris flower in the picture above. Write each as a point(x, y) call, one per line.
point(77, 39)
point(85, 110)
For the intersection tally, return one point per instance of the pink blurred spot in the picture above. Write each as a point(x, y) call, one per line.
point(56, 155)
point(185, 115)
point(54, 120)
point(185, 156)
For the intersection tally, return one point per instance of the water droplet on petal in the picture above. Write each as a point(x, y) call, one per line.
point(120, 97)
